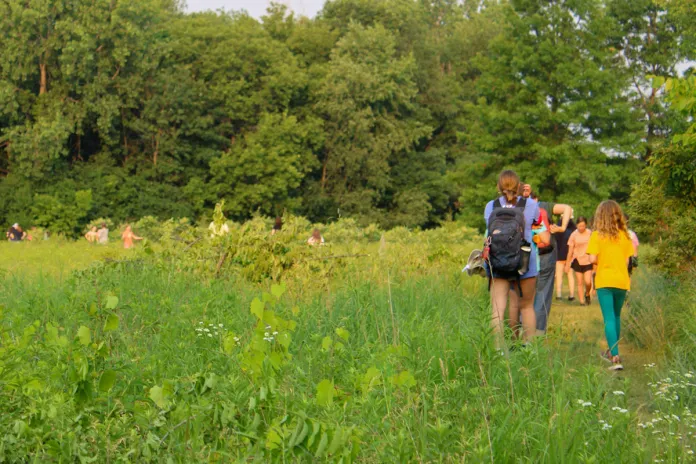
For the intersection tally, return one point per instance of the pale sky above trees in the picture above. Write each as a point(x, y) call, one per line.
point(256, 8)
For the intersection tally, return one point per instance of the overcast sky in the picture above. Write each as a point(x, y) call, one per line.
point(255, 8)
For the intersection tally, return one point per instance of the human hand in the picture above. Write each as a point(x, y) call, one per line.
point(556, 229)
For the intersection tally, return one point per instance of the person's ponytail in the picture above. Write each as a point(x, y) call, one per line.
point(508, 185)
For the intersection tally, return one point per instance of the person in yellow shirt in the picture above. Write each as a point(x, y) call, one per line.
point(610, 248)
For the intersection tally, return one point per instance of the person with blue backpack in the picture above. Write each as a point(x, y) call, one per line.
point(511, 261)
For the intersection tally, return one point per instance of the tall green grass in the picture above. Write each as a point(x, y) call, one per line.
point(398, 369)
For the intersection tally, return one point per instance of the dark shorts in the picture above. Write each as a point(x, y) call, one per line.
point(577, 267)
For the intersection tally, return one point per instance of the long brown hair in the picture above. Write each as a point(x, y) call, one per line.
point(609, 220)
point(508, 185)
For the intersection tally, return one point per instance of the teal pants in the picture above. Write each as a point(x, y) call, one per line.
point(611, 301)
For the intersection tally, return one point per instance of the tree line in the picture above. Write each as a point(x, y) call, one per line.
point(395, 112)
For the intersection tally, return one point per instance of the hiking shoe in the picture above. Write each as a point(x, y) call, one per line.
point(571, 298)
point(616, 364)
point(559, 298)
point(588, 300)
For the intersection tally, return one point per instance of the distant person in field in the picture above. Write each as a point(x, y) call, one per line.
point(16, 234)
point(316, 239)
point(562, 239)
point(611, 249)
point(277, 226)
point(128, 237)
point(547, 258)
point(92, 236)
point(511, 259)
point(103, 234)
point(579, 261)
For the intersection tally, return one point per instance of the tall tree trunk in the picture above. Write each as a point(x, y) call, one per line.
point(157, 144)
point(323, 173)
point(42, 88)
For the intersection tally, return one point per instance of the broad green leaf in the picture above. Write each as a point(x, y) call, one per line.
point(84, 335)
point(326, 343)
point(161, 395)
point(257, 308)
point(273, 439)
point(111, 323)
point(325, 393)
point(277, 290)
point(404, 379)
point(371, 379)
point(157, 397)
point(111, 302)
point(657, 81)
point(33, 385)
point(230, 343)
point(343, 333)
point(107, 380)
point(323, 443)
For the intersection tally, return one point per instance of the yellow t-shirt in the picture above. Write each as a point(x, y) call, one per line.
point(612, 260)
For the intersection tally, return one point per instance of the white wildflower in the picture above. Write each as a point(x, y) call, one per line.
point(586, 404)
point(210, 335)
point(619, 393)
point(220, 325)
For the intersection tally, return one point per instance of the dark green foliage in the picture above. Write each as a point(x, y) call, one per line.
point(664, 204)
point(394, 112)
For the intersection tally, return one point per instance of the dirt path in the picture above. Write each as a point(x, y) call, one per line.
point(579, 332)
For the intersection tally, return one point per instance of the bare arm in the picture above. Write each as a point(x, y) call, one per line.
point(566, 212)
point(593, 259)
point(571, 251)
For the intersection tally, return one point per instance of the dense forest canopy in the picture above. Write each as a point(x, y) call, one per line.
point(395, 112)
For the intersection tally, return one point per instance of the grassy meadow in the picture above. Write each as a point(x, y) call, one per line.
point(371, 349)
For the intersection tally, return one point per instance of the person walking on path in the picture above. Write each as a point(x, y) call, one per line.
point(128, 236)
point(547, 261)
point(16, 234)
point(562, 256)
point(579, 261)
point(103, 234)
point(316, 239)
point(277, 225)
point(510, 209)
point(92, 236)
point(610, 248)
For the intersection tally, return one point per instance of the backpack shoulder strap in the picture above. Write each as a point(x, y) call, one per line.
point(522, 204)
point(497, 204)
